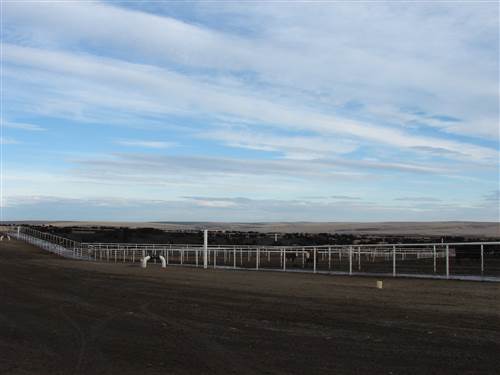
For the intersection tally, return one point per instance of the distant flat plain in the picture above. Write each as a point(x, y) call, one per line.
point(443, 228)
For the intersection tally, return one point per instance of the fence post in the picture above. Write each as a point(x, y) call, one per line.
point(284, 259)
point(359, 258)
point(447, 261)
point(257, 259)
point(434, 255)
point(329, 257)
point(482, 259)
point(314, 260)
point(394, 260)
point(350, 260)
point(234, 257)
point(205, 248)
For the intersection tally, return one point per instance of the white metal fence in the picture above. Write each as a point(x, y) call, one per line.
point(462, 260)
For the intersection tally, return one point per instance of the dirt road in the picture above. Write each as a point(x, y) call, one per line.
point(59, 316)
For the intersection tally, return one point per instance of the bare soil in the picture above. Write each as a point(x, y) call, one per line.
point(59, 316)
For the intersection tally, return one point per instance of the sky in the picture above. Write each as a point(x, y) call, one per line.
point(250, 111)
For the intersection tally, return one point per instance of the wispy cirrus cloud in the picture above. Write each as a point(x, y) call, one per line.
point(8, 141)
point(144, 143)
point(344, 197)
point(390, 104)
point(493, 196)
point(418, 199)
point(294, 47)
point(126, 163)
point(22, 126)
point(110, 77)
point(231, 209)
point(291, 146)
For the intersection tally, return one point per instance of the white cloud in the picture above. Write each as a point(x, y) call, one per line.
point(144, 144)
point(233, 209)
point(213, 202)
point(8, 141)
point(493, 197)
point(418, 199)
point(22, 126)
point(293, 147)
point(321, 99)
point(113, 85)
point(417, 55)
point(164, 165)
point(149, 176)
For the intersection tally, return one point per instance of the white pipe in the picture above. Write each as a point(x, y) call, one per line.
point(205, 248)
point(394, 261)
point(434, 257)
point(144, 261)
point(350, 260)
point(163, 261)
point(447, 262)
point(482, 260)
point(314, 260)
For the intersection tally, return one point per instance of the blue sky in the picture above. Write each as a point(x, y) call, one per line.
point(250, 111)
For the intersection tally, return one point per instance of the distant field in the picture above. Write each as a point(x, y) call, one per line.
point(62, 316)
point(452, 228)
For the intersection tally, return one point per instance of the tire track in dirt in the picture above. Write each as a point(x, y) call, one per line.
point(84, 340)
point(220, 362)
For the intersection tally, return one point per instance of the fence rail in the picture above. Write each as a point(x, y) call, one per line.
point(457, 260)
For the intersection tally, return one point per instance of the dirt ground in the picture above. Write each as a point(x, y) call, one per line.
point(59, 316)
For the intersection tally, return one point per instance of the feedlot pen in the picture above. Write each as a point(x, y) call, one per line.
point(462, 260)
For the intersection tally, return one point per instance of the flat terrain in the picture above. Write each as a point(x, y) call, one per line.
point(59, 316)
point(436, 228)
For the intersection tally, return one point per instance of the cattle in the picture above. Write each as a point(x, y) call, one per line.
point(293, 255)
point(473, 252)
point(467, 252)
